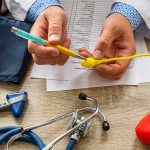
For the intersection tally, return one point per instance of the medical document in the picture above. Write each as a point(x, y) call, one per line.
point(85, 23)
point(139, 74)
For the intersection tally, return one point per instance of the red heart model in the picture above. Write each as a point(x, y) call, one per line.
point(143, 129)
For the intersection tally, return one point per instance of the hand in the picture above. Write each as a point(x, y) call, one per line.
point(51, 25)
point(116, 40)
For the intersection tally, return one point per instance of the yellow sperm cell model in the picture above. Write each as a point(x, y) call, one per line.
point(91, 62)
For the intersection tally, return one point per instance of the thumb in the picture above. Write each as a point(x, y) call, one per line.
point(103, 45)
point(55, 30)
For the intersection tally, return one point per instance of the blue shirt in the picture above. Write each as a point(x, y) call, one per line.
point(128, 11)
point(38, 7)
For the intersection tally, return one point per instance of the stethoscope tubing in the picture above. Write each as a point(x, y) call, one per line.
point(11, 131)
point(50, 145)
point(29, 136)
point(8, 128)
point(71, 144)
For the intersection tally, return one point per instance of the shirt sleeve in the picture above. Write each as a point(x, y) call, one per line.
point(39, 6)
point(129, 12)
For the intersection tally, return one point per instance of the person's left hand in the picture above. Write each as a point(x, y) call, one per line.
point(116, 40)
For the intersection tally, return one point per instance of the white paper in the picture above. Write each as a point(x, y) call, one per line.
point(85, 22)
point(86, 18)
point(142, 74)
point(59, 85)
point(143, 62)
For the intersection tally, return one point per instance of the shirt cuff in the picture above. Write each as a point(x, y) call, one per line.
point(38, 7)
point(129, 12)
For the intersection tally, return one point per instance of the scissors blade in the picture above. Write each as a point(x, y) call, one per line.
point(80, 57)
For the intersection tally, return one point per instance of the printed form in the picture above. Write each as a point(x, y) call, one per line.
point(85, 23)
point(139, 75)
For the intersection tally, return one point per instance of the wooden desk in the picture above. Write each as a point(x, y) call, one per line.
point(124, 106)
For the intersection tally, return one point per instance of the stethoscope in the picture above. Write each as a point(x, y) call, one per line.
point(77, 126)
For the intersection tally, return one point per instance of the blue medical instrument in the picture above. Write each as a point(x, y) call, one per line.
point(29, 136)
point(15, 102)
point(79, 133)
point(11, 134)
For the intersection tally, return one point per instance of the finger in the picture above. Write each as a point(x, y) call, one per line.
point(42, 51)
point(125, 52)
point(62, 59)
point(66, 43)
point(105, 42)
point(125, 48)
point(113, 71)
point(84, 52)
point(40, 28)
point(116, 69)
point(44, 61)
point(55, 26)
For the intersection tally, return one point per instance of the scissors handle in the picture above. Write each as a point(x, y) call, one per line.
point(6, 129)
point(36, 139)
point(10, 133)
point(29, 136)
point(71, 144)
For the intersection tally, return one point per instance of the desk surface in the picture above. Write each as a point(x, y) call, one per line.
point(124, 106)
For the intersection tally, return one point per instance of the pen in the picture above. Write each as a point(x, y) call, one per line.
point(62, 49)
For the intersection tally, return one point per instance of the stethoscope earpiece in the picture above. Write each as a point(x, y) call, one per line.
point(78, 127)
point(83, 96)
point(106, 125)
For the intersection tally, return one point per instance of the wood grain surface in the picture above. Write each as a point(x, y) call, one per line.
point(124, 106)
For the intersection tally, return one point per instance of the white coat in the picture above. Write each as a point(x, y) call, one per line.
point(19, 9)
point(143, 7)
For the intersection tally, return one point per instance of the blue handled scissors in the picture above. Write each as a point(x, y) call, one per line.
point(26, 136)
point(12, 133)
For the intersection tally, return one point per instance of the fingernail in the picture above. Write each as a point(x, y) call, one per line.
point(97, 54)
point(54, 37)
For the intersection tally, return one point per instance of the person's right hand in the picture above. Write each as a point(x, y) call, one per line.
point(51, 25)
